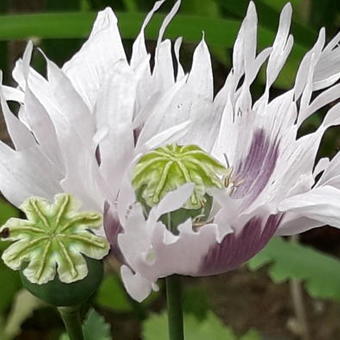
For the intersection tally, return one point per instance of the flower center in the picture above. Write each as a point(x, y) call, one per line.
point(167, 168)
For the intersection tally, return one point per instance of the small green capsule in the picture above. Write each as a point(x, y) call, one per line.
point(167, 168)
point(53, 241)
point(60, 294)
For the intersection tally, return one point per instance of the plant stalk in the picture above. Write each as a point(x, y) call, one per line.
point(175, 311)
point(72, 322)
point(296, 292)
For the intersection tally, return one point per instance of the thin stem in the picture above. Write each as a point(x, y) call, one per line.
point(298, 302)
point(72, 322)
point(175, 311)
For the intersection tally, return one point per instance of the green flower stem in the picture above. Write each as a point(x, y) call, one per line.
point(72, 322)
point(175, 311)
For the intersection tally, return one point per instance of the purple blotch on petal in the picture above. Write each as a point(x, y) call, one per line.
point(236, 249)
point(136, 133)
point(112, 228)
point(255, 170)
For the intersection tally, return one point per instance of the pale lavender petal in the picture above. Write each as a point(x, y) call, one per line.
point(235, 248)
point(254, 171)
point(112, 228)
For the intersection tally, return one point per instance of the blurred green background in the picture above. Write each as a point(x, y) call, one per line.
point(256, 304)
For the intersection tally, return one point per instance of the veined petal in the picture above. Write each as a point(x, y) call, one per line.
point(88, 68)
point(69, 102)
point(114, 110)
point(321, 204)
point(139, 52)
point(43, 129)
point(26, 173)
point(177, 47)
point(13, 94)
point(136, 285)
point(163, 74)
point(331, 175)
point(19, 133)
point(237, 248)
point(200, 78)
point(293, 223)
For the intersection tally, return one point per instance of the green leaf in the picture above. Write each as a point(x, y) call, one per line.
point(53, 239)
point(156, 328)
point(207, 8)
point(6, 212)
point(112, 295)
point(78, 25)
point(10, 284)
point(218, 32)
point(10, 280)
point(95, 328)
point(269, 14)
point(252, 334)
point(287, 260)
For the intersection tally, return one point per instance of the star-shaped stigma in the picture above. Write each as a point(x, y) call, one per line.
point(167, 168)
point(53, 239)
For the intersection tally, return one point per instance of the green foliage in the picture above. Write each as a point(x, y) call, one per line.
point(269, 13)
point(156, 328)
point(288, 260)
point(10, 284)
point(10, 281)
point(95, 328)
point(220, 33)
point(210, 9)
point(7, 211)
point(195, 302)
point(112, 295)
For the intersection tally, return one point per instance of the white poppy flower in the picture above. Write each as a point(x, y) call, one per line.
point(84, 129)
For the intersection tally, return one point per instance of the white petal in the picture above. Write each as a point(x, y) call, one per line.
point(168, 136)
point(166, 22)
point(172, 201)
point(69, 103)
point(281, 47)
point(321, 204)
point(321, 166)
point(19, 133)
point(136, 285)
point(114, 110)
point(163, 73)
point(26, 173)
point(323, 99)
point(331, 175)
point(139, 52)
point(200, 78)
point(89, 66)
point(43, 129)
point(13, 94)
point(293, 224)
point(177, 47)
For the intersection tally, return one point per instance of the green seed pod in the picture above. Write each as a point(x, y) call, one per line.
point(59, 294)
point(55, 250)
point(167, 168)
